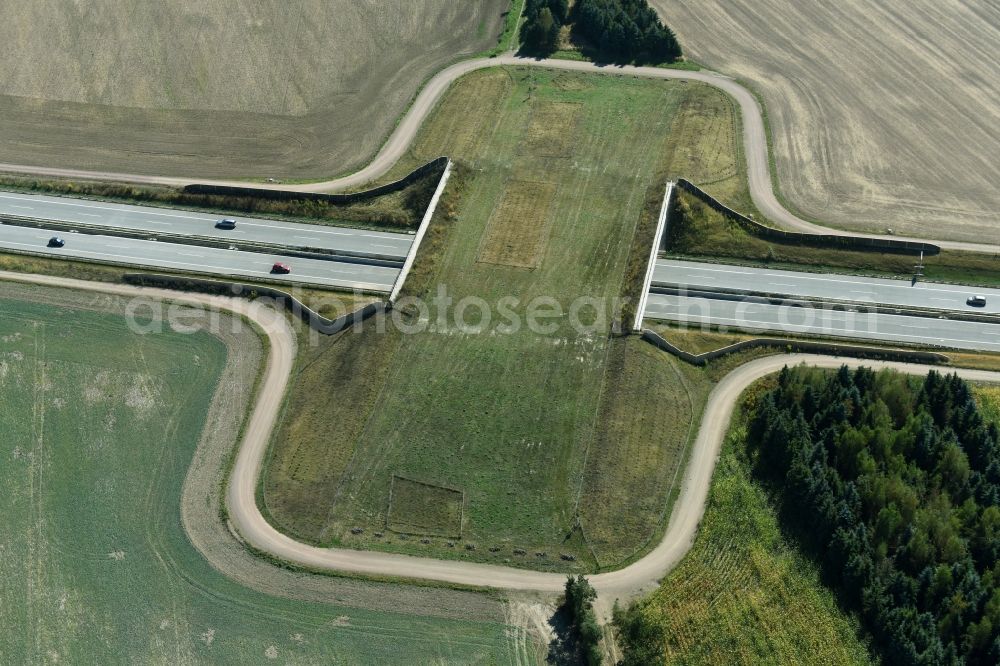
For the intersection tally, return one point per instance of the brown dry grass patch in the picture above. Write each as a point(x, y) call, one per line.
point(466, 129)
point(633, 465)
point(703, 143)
point(552, 130)
point(424, 508)
point(518, 230)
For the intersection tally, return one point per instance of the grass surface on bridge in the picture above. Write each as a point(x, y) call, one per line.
point(530, 446)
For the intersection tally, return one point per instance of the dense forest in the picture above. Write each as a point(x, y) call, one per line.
point(894, 484)
point(613, 30)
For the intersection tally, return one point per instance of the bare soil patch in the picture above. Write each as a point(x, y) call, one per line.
point(883, 112)
point(518, 229)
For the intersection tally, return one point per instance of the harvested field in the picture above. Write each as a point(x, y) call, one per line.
point(505, 415)
point(883, 112)
point(231, 88)
point(518, 229)
point(96, 566)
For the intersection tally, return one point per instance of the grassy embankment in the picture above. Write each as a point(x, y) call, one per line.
point(96, 567)
point(542, 441)
point(396, 211)
point(698, 340)
point(511, 26)
point(699, 232)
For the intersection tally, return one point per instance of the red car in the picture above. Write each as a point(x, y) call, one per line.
point(280, 268)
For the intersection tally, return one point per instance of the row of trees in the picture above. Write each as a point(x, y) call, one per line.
point(579, 606)
point(626, 30)
point(614, 30)
point(543, 19)
point(896, 488)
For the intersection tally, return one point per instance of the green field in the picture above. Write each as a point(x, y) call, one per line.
point(554, 173)
point(100, 429)
point(745, 594)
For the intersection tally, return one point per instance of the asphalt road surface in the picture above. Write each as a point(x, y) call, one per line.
point(195, 258)
point(188, 223)
point(762, 317)
point(754, 143)
point(824, 286)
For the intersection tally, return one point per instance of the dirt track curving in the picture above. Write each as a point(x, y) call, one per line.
point(754, 142)
point(635, 579)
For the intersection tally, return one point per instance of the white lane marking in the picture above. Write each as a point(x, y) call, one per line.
point(206, 268)
point(320, 229)
point(90, 214)
point(22, 207)
point(120, 208)
point(715, 319)
point(386, 236)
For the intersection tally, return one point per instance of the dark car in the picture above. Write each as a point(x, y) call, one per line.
point(281, 268)
point(976, 301)
point(55, 241)
point(226, 224)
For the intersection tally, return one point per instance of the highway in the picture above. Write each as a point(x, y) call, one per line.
point(195, 258)
point(757, 317)
point(87, 213)
point(824, 286)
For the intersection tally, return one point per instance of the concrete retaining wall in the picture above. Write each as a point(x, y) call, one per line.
point(283, 299)
point(843, 242)
point(792, 345)
point(421, 232)
point(661, 227)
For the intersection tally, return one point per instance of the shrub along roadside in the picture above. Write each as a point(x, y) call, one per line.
point(696, 231)
point(398, 210)
point(580, 642)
